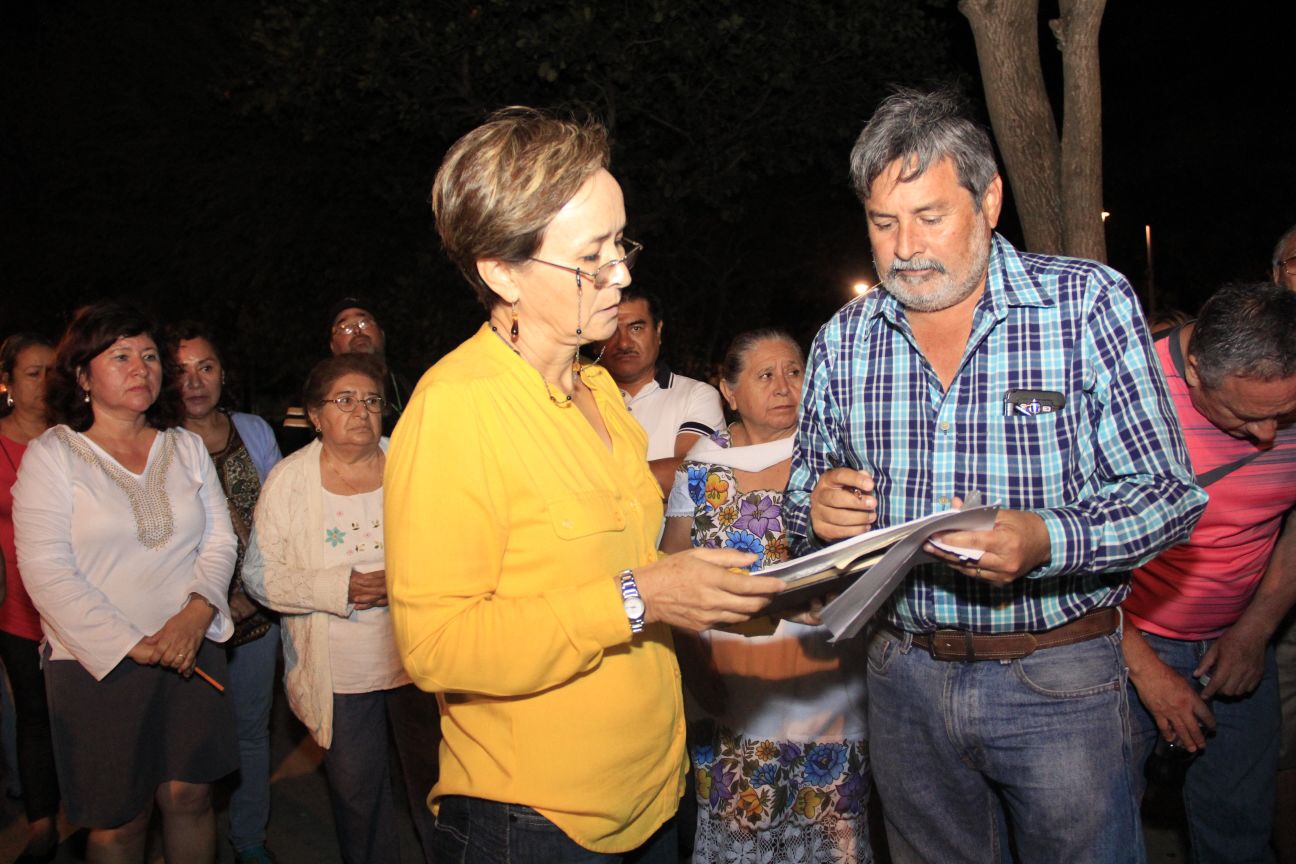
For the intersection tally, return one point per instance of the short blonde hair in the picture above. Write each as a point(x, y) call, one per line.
point(500, 185)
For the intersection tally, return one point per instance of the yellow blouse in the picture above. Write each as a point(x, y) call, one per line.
point(507, 521)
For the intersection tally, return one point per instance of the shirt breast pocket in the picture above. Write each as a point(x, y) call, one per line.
point(585, 514)
point(1037, 449)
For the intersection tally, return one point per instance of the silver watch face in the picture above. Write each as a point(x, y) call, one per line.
point(634, 607)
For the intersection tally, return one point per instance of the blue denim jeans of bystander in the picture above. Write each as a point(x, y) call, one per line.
point(477, 831)
point(251, 693)
point(1040, 745)
point(359, 773)
point(1228, 790)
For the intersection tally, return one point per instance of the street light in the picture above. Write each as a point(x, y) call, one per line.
point(861, 288)
point(1151, 277)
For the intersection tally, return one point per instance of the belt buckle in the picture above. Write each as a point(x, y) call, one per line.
point(951, 645)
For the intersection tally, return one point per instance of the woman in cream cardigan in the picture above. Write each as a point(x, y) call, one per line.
point(317, 555)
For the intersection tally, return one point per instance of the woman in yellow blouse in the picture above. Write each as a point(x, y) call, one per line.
point(522, 520)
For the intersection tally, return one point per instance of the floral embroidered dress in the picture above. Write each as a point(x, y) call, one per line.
point(782, 773)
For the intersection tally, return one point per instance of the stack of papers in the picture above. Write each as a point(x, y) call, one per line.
point(866, 569)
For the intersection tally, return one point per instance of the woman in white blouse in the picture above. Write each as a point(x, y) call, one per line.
point(317, 555)
point(126, 548)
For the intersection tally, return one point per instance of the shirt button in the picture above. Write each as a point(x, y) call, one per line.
point(566, 523)
point(943, 500)
point(944, 426)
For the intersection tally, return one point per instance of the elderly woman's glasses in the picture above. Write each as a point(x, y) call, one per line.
point(347, 404)
point(602, 276)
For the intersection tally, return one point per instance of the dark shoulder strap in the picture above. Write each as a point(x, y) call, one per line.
point(1176, 349)
point(1204, 480)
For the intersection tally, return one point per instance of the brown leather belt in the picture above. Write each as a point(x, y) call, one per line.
point(964, 645)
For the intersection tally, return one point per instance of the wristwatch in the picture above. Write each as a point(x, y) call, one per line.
point(633, 603)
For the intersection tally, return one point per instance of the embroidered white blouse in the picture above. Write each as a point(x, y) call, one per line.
point(108, 555)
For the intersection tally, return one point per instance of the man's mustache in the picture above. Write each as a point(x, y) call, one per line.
point(916, 264)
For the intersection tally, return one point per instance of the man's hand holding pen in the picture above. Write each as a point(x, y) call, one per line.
point(842, 504)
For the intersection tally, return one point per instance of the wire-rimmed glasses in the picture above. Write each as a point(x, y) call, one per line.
point(360, 325)
point(602, 275)
point(347, 404)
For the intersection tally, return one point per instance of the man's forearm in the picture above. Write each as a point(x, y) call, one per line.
point(1122, 527)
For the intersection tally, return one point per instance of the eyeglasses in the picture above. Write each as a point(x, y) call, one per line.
point(602, 276)
point(347, 404)
point(359, 325)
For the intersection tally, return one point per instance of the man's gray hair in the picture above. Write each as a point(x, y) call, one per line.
point(1285, 242)
point(1247, 330)
point(921, 128)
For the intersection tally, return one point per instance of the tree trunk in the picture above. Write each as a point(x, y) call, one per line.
point(1007, 45)
point(1077, 36)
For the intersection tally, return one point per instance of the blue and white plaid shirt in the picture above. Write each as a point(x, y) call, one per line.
point(1109, 473)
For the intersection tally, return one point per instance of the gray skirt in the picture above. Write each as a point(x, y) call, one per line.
point(117, 740)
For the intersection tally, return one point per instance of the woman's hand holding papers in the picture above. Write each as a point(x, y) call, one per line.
point(695, 590)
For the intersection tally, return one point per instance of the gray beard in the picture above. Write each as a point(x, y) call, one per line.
point(948, 294)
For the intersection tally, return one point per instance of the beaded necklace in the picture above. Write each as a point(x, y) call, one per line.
point(566, 401)
point(149, 502)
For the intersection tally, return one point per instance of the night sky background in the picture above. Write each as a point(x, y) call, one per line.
point(248, 164)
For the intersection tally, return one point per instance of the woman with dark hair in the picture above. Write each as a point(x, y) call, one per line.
point(782, 760)
point(523, 519)
point(24, 360)
point(317, 555)
point(126, 546)
point(244, 450)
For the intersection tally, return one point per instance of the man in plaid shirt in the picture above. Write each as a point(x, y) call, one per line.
point(997, 683)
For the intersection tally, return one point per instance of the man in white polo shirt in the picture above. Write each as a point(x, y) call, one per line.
point(673, 409)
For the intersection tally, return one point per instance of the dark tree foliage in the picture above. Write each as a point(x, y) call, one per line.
point(248, 163)
point(731, 128)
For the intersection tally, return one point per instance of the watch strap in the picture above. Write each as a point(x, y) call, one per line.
point(632, 601)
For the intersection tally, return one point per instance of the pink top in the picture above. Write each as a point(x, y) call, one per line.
point(17, 614)
point(1198, 589)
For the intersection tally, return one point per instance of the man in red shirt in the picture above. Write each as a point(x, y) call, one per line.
point(1201, 615)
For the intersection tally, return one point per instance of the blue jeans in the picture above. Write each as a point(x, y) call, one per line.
point(251, 692)
point(415, 719)
point(477, 831)
point(1228, 791)
point(40, 789)
point(358, 768)
point(1037, 748)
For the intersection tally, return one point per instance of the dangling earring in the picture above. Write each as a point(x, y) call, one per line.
point(87, 397)
point(8, 399)
point(513, 331)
